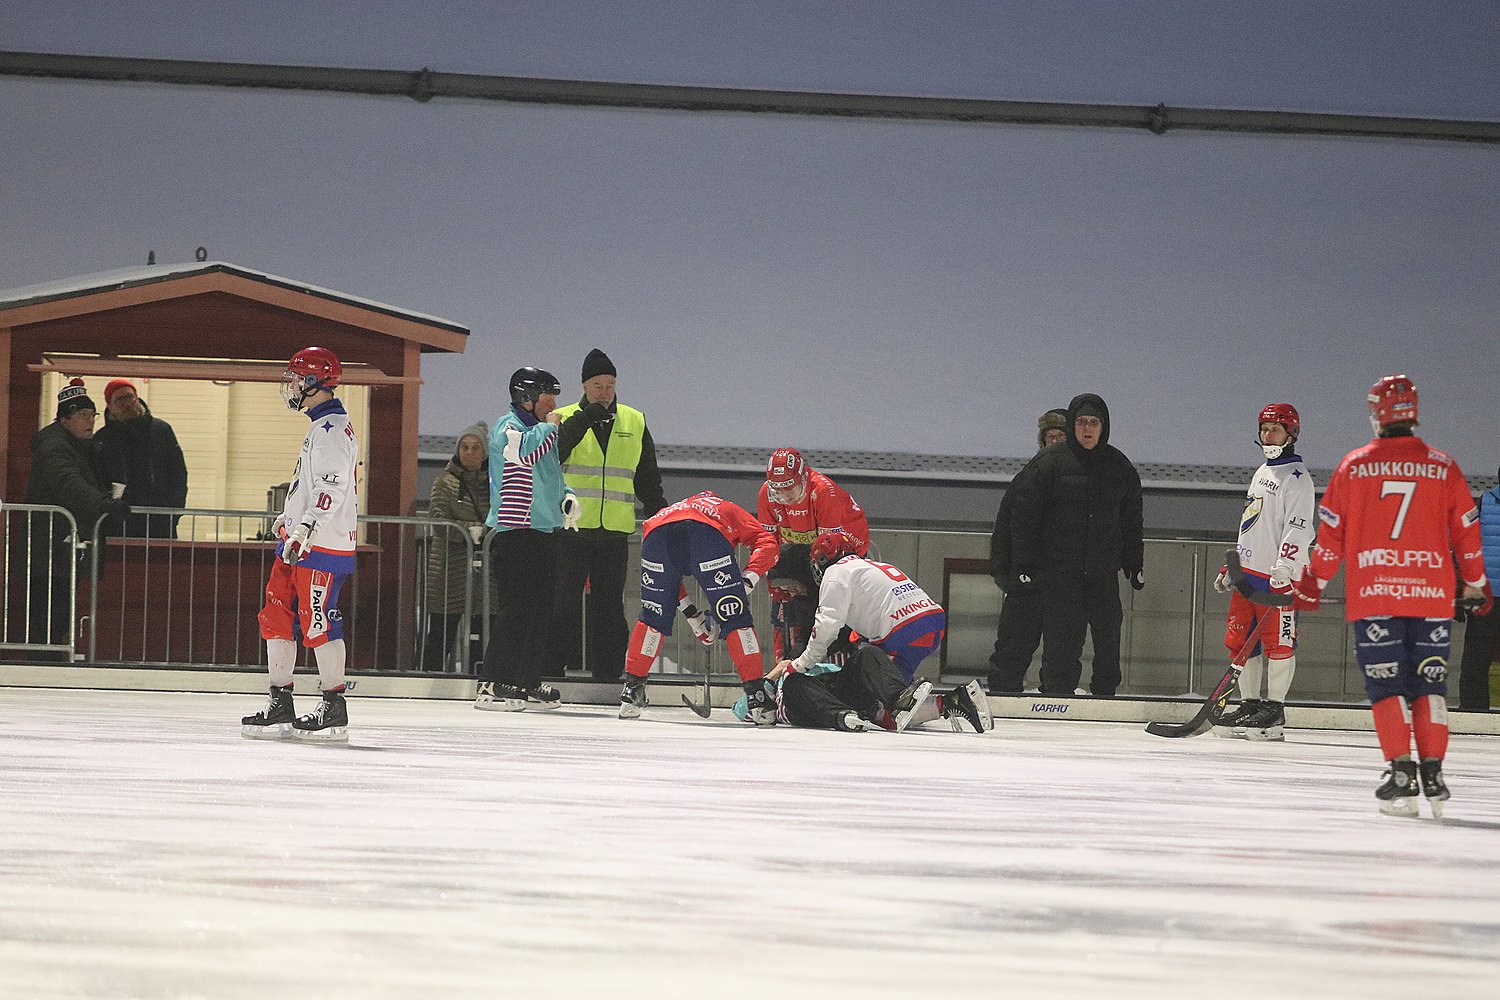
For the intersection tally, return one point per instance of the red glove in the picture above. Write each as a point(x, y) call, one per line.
point(779, 595)
point(1307, 594)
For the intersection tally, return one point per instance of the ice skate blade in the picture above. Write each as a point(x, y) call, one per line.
point(630, 711)
point(333, 734)
point(1405, 806)
point(543, 706)
point(280, 731)
point(1274, 734)
point(1436, 805)
point(1228, 733)
point(501, 705)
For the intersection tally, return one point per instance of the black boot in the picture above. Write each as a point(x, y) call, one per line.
point(1398, 795)
point(275, 720)
point(328, 723)
point(1433, 785)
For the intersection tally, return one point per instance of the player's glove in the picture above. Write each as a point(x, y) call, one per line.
point(704, 627)
point(1307, 592)
point(751, 579)
point(297, 543)
point(571, 511)
point(1137, 579)
point(512, 450)
point(1281, 577)
point(1477, 600)
point(1221, 582)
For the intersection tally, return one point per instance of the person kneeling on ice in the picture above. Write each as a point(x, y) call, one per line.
point(878, 601)
point(315, 555)
point(696, 537)
point(865, 690)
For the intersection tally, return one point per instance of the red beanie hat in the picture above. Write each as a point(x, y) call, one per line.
point(116, 386)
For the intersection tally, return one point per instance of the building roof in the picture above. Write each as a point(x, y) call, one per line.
point(131, 277)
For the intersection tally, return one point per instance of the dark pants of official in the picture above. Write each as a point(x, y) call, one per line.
point(1017, 636)
point(590, 630)
point(523, 568)
point(867, 682)
point(1071, 605)
point(1474, 669)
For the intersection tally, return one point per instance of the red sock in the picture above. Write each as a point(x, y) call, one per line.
point(645, 643)
point(744, 650)
point(1391, 726)
point(1429, 720)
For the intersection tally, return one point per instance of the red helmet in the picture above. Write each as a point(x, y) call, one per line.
point(310, 370)
point(828, 548)
point(1393, 400)
point(786, 475)
point(1284, 414)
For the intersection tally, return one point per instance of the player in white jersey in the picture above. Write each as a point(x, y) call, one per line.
point(887, 610)
point(316, 553)
point(1275, 542)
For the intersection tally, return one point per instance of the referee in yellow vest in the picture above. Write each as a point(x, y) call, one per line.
point(609, 461)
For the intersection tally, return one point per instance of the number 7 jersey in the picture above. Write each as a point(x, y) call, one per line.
point(1398, 512)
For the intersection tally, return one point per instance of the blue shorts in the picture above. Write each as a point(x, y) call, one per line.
point(909, 644)
point(691, 548)
point(1403, 656)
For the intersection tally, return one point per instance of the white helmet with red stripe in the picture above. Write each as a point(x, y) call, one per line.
point(786, 476)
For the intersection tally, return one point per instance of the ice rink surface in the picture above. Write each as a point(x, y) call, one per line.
point(147, 850)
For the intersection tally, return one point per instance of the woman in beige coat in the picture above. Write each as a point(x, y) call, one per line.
point(461, 493)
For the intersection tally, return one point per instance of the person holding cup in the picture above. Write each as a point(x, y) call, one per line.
point(142, 458)
point(461, 494)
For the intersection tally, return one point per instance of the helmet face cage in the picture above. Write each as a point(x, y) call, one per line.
point(1393, 400)
point(528, 385)
point(786, 476)
point(828, 548)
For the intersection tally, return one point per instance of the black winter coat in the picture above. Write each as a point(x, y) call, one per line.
point(1076, 512)
point(65, 471)
point(144, 455)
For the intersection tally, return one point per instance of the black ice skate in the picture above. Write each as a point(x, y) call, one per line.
point(1232, 725)
point(328, 723)
point(543, 698)
point(273, 722)
point(1268, 724)
point(760, 705)
point(909, 702)
point(850, 722)
point(500, 698)
point(1398, 795)
point(968, 704)
point(1433, 786)
point(632, 697)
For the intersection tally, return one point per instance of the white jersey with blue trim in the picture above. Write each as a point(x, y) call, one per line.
point(325, 489)
point(1277, 525)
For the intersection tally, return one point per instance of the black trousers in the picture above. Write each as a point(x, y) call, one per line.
point(1474, 668)
point(1069, 607)
point(1017, 636)
point(590, 630)
point(867, 683)
point(523, 566)
point(440, 645)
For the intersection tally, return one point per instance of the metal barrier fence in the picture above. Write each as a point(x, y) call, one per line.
point(419, 599)
point(43, 551)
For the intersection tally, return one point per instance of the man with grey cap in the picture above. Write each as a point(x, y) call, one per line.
point(1019, 631)
point(1076, 524)
point(609, 461)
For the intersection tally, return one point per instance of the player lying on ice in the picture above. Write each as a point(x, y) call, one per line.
point(889, 611)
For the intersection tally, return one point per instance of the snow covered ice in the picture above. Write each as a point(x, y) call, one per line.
point(147, 850)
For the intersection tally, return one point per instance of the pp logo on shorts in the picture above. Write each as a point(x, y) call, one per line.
point(729, 606)
point(1434, 668)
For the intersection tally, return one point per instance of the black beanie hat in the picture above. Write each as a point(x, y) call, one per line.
point(74, 397)
point(597, 363)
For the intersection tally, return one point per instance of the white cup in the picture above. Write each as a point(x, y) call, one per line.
point(476, 532)
point(116, 490)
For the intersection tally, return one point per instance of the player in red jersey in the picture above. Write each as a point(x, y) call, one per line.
point(696, 537)
point(797, 503)
point(1398, 513)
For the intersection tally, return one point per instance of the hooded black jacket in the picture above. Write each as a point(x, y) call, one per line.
point(1077, 511)
point(144, 455)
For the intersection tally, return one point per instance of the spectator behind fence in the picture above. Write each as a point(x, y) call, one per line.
point(65, 472)
point(141, 451)
point(1076, 522)
point(1019, 631)
point(1480, 631)
point(609, 460)
point(461, 493)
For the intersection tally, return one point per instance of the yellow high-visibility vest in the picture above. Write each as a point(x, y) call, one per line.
point(605, 483)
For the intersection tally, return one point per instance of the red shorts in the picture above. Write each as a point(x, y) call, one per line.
point(302, 602)
point(1277, 628)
